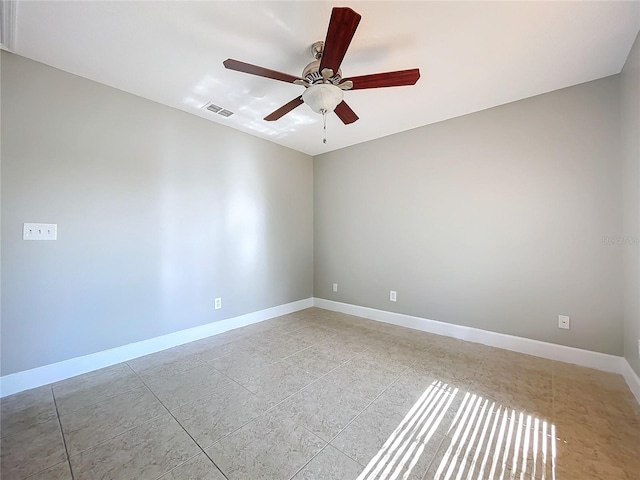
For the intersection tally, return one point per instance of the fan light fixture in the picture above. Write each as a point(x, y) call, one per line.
point(323, 97)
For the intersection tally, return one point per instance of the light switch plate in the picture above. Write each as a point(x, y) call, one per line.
point(40, 231)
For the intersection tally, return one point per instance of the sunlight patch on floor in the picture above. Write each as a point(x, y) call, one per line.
point(403, 448)
point(484, 440)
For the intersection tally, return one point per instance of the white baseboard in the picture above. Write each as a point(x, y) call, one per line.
point(18, 382)
point(585, 358)
point(632, 379)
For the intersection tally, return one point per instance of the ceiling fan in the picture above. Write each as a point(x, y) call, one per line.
point(322, 78)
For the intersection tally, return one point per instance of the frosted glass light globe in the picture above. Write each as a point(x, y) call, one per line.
point(322, 97)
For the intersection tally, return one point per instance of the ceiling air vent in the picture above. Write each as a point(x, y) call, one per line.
point(212, 107)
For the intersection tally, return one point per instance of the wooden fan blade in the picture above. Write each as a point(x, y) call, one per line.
point(342, 27)
point(388, 79)
point(283, 110)
point(345, 113)
point(258, 71)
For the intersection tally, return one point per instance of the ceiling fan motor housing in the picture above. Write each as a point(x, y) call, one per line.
point(312, 74)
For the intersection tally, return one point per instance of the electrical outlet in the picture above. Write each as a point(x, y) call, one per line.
point(218, 303)
point(392, 295)
point(335, 287)
point(564, 322)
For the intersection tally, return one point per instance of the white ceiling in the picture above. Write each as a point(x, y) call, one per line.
point(471, 55)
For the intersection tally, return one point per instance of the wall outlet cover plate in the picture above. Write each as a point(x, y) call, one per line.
point(564, 322)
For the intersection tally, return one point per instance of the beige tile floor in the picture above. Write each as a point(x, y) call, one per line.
point(322, 395)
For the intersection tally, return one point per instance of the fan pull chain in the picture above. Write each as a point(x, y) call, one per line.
point(324, 121)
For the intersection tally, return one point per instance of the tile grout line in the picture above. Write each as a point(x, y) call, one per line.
point(358, 354)
point(64, 440)
point(92, 374)
point(235, 382)
point(278, 403)
point(281, 401)
point(185, 431)
point(346, 426)
point(295, 393)
point(484, 361)
point(286, 398)
point(281, 360)
point(311, 383)
point(149, 420)
point(444, 437)
point(307, 386)
point(381, 393)
point(124, 431)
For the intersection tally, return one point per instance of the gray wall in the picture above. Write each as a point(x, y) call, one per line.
point(630, 111)
point(158, 213)
point(494, 220)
